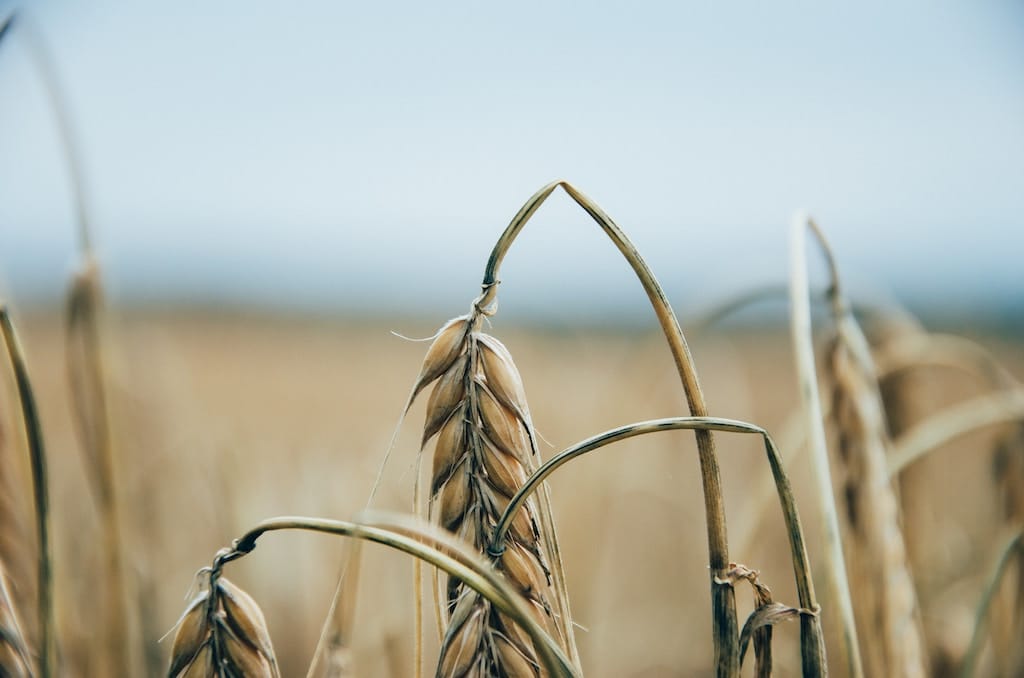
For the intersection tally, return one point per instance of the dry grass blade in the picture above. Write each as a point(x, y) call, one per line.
point(812, 642)
point(18, 551)
point(766, 614)
point(436, 547)
point(37, 455)
point(1013, 550)
point(15, 660)
point(956, 420)
point(803, 348)
point(723, 603)
point(333, 655)
point(223, 633)
point(485, 446)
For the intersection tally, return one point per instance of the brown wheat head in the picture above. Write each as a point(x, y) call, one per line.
point(885, 603)
point(483, 451)
point(223, 633)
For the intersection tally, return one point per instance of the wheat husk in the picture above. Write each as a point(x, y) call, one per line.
point(222, 633)
point(484, 446)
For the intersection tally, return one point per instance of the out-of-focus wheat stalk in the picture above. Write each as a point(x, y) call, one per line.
point(803, 347)
point(37, 455)
point(885, 604)
point(18, 555)
point(1014, 550)
point(91, 410)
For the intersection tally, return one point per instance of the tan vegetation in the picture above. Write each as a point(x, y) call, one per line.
point(224, 421)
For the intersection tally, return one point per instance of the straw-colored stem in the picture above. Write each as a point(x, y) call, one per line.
point(42, 59)
point(724, 625)
point(37, 453)
point(813, 648)
point(452, 557)
point(803, 348)
point(1013, 548)
point(333, 643)
point(987, 410)
point(90, 407)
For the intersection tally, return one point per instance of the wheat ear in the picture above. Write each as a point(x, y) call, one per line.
point(222, 633)
point(885, 607)
point(485, 447)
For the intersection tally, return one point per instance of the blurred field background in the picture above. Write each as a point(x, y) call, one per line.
point(224, 419)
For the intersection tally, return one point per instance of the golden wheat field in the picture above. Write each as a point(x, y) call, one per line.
point(223, 419)
point(237, 441)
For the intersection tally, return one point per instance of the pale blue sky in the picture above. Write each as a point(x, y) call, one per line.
point(346, 154)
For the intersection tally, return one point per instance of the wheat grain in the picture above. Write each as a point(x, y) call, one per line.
point(222, 633)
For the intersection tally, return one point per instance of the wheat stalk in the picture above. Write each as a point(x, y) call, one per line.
point(436, 547)
point(812, 642)
point(40, 487)
point(17, 554)
point(725, 634)
point(803, 348)
point(89, 400)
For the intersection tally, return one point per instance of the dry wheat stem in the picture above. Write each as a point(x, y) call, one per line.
point(37, 453)
point(41, 55)
point(987, 410)
point(1014, 548)
point(812, 642)
point(803, 348)
point(453, 557)
point(17, 552)
point(90, 407)
point(332, 656)
point(766, 614)
point(724, 625)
